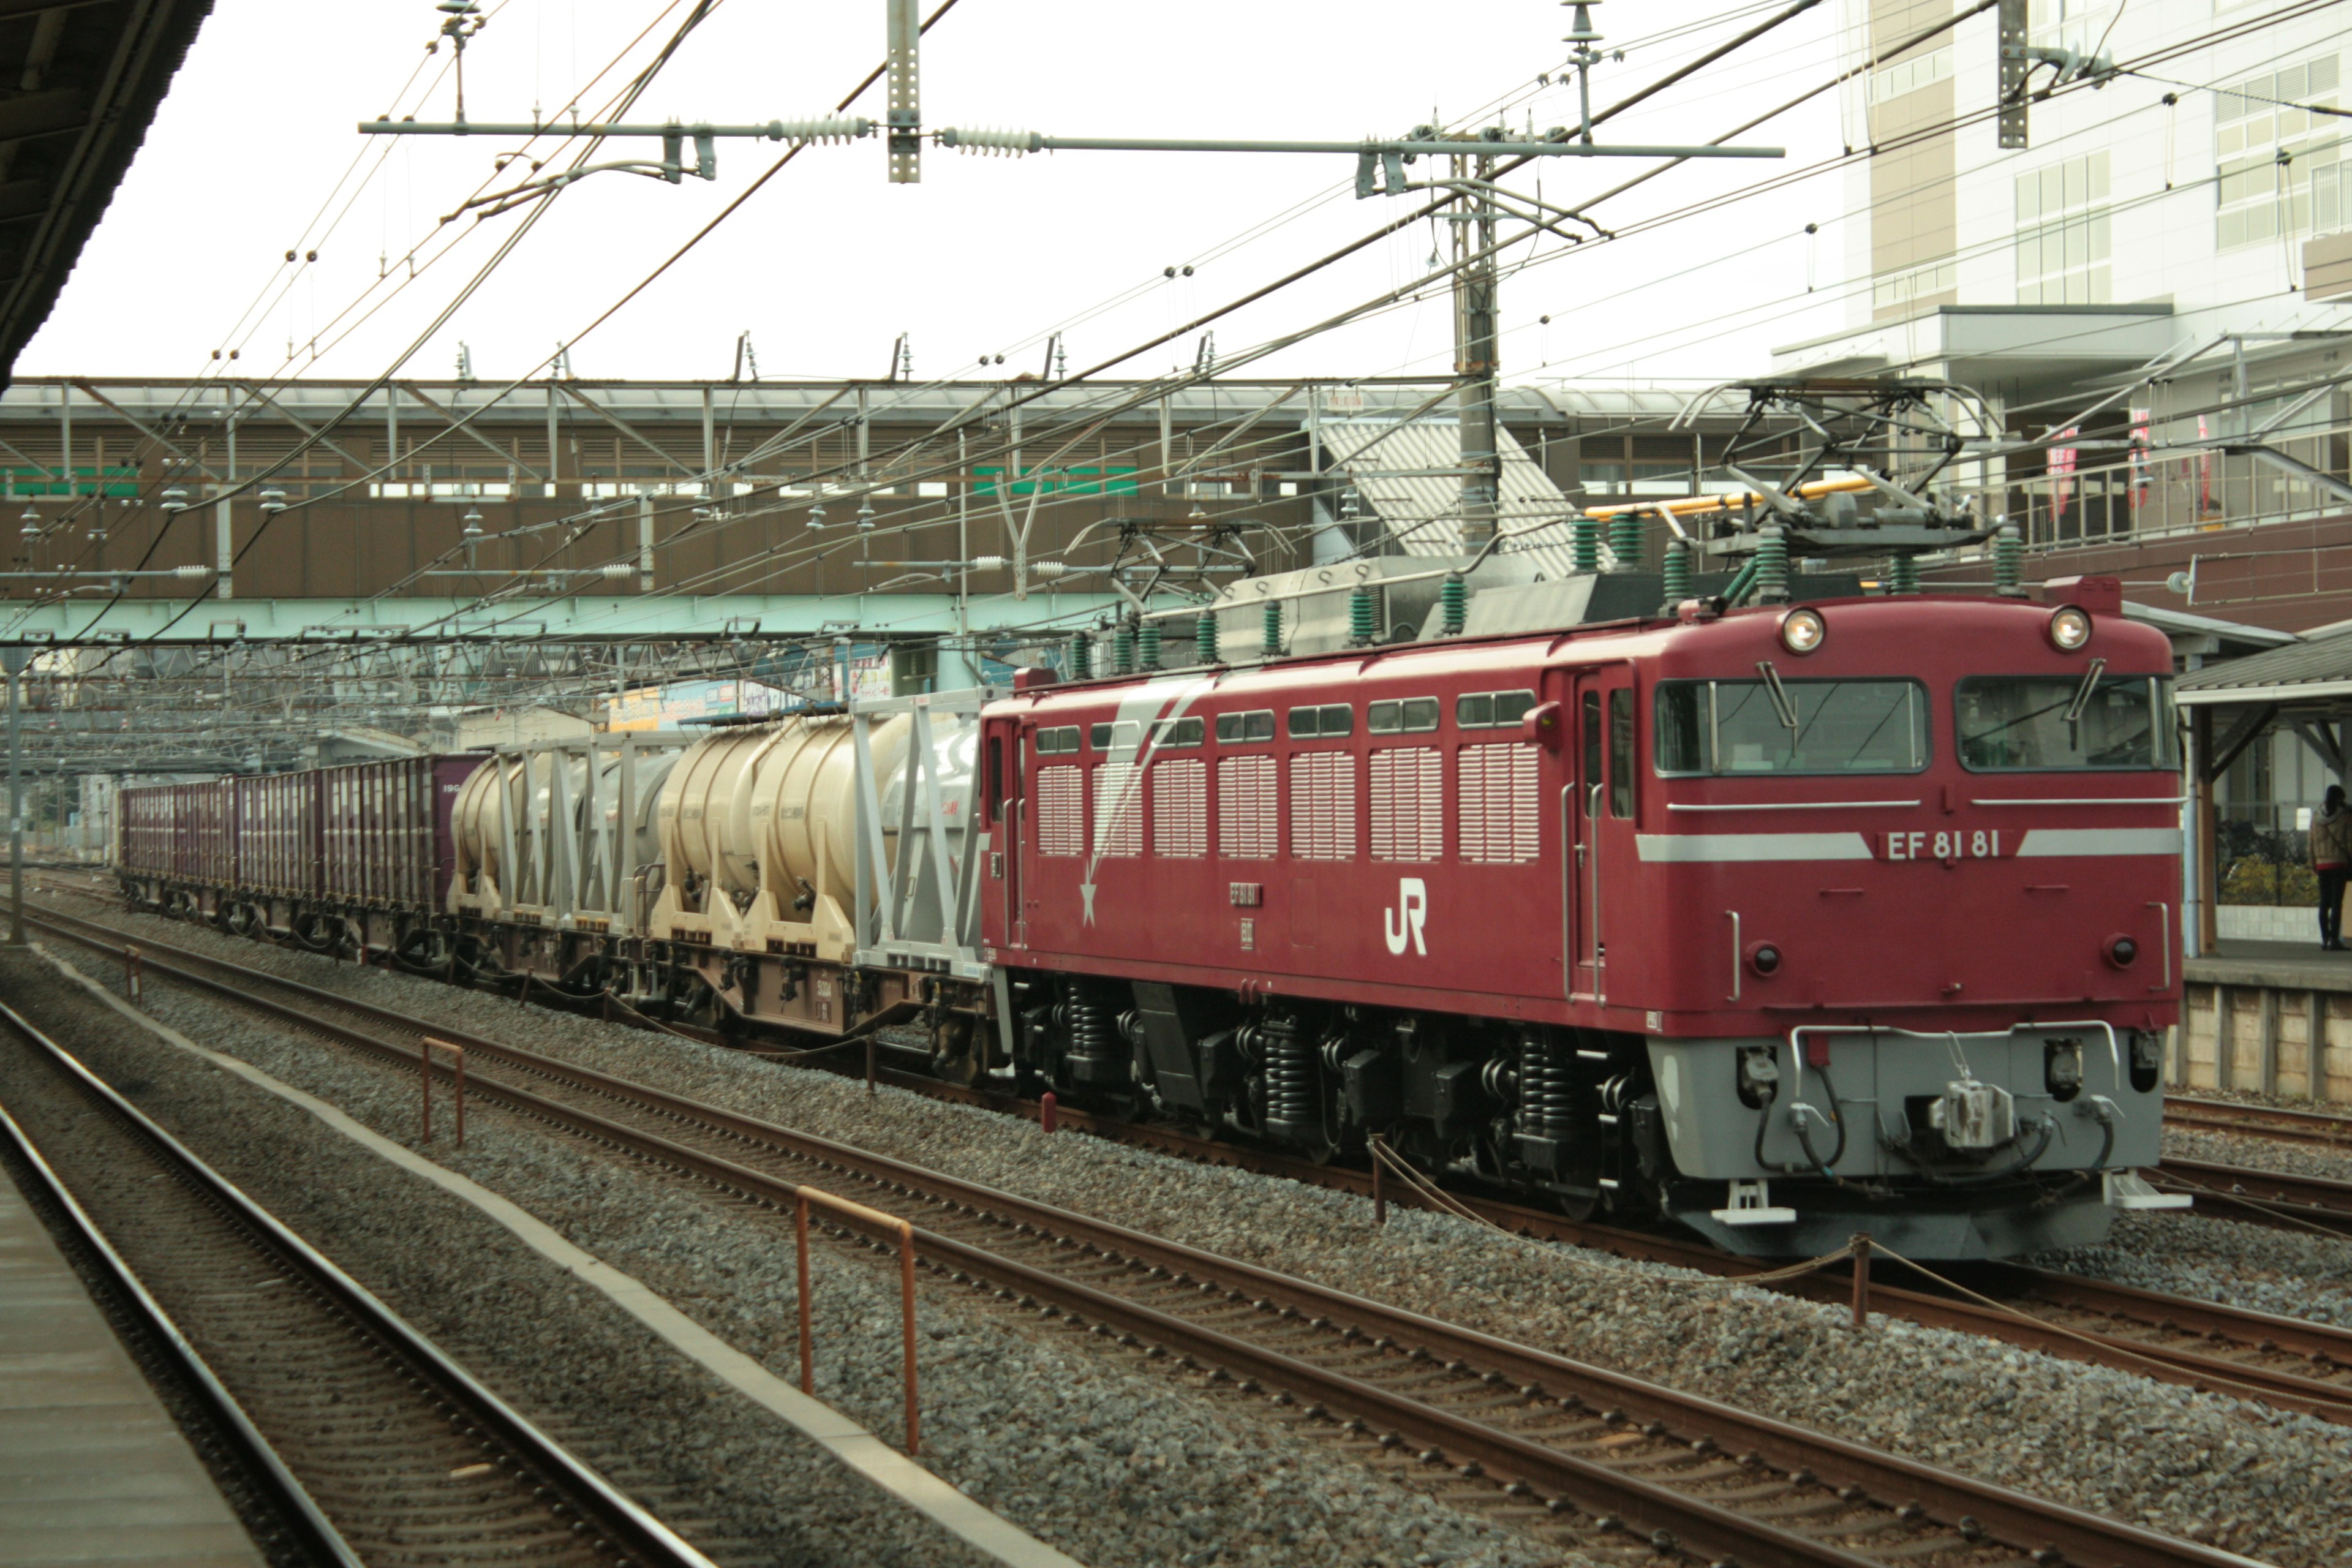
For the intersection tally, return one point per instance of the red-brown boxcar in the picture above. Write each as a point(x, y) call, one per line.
point(385, 831)
point(277, 833)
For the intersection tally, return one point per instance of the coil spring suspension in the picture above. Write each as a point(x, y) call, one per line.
point(1546, 1103)
point(1089, 1027)
point(1291, 1101)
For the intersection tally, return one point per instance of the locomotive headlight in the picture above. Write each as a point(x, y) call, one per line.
point(2121, 951)
point(1803, 631)
point(2070, 628)
point(1764, 958)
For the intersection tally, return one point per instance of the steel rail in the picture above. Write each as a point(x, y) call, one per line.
point(288, 1499)
point(2316, 1345)
point(2295, 1203)
point(2259, 1120)
point(1974, 1507)
point(622, 1520)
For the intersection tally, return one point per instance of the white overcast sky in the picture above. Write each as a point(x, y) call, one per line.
point(828, 263)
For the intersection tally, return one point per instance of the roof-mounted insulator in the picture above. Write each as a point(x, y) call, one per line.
point(993, 144)
point(832, 128)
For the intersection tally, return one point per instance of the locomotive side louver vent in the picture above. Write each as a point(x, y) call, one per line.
point(1061, 812)
point(1179, 809)
point(1498, 804)
point(1246, 822)
point(1408, 805)
point(1118, 810)
point(1323, 805)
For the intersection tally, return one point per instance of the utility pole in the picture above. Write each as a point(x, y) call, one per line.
point(13, 661)
point(1474, 356)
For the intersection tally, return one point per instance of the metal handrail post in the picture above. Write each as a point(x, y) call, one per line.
point(802, 1198)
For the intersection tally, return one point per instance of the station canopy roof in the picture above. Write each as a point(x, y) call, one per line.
point(88, 75)
point(2314, 674)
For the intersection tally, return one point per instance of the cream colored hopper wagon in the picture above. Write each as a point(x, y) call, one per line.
point(758, 830)
point(539, 833)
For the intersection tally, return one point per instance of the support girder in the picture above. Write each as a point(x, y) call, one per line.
point(755, 618)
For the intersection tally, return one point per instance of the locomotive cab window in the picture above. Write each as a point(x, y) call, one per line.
point(2035, 724)
point(1185, 732)
point(1400, 716)
point(1327, 723)
point(1785, 726)
point(1123, 736)
point(1491, 710)
point(1057, 742)
point(1235, 729)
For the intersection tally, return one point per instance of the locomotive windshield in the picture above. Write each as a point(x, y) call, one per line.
point(1791, 727)
point(2033, 723)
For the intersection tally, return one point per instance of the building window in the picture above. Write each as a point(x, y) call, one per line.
point(1894, 290)
point(2257, 122)
point(2062, 234)
point(1911, 75)
point(1635, 480)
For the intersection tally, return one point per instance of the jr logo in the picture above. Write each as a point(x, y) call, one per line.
point(1404, 923)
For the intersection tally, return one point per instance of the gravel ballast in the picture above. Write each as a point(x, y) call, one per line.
point(1100, 1456)
point(2203, 1467)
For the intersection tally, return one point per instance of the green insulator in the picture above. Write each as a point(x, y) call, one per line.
point(2008, 561)
point(1082, 657)
point(1122, 650)
point(1625, 531)
point(1678, 572)
point(1363, 617)
point(1584, 536)
point(1454, 605)
point(1149, 645)
point(1902, 574)
point(1771, 565)
point(1270, 644)
point(1204, 637)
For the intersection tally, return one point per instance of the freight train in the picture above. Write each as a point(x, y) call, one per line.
point(1785, 923)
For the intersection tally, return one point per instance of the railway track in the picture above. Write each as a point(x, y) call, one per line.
point(364, 1442)
point(2320, 1127)
point(2291, 1363)
point(1565, 1451)
point(2272, 1198)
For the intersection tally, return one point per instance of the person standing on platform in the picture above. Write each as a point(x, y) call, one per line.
point(2331, 857)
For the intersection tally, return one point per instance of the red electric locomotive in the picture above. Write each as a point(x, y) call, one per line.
point(1791, 923)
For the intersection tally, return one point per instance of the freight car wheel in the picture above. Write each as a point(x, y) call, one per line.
point(425, 951)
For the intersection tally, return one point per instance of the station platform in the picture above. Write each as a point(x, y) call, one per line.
point(2288, 966)
point(2270, 1016)
point(93, 1470)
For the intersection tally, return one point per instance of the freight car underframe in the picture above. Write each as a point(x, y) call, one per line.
point(732, 992)
point(1980, 1143)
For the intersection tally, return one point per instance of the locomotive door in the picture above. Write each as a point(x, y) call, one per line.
point(1597, 812)
point(1008, 849)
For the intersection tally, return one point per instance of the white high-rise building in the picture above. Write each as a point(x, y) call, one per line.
point(2163, 271)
